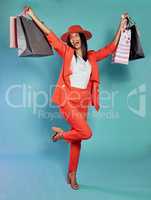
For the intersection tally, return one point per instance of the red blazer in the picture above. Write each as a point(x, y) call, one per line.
point(63, 83)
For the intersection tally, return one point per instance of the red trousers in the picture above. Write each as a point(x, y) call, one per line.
point(75, 112)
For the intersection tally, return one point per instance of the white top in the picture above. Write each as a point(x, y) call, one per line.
point(81, 71)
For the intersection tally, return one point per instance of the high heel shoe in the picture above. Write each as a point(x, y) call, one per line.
point(72, 181)
point(58, 134)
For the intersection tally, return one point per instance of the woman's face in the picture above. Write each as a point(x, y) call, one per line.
point(75, 40)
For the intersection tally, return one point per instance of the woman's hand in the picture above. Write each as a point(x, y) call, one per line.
point(28, 11)
point(123, 22)
point(121, 28)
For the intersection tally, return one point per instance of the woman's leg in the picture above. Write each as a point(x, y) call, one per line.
point(77, 119)
point(75, 148)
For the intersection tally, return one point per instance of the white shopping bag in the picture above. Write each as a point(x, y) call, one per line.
point(121, 55)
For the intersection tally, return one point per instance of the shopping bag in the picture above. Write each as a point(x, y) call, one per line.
point(121, 55)
point(136, 50)
point(12, 32)
point(31, 40)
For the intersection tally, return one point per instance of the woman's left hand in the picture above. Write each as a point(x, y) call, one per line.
point(123, 22)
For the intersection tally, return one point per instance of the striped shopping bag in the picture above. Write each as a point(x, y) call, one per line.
point(121, 55)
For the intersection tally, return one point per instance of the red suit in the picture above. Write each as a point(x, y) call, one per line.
point(73, 102)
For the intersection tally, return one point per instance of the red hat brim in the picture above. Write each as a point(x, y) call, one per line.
point(87, 34)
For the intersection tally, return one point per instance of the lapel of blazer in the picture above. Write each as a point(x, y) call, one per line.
point(66, 65)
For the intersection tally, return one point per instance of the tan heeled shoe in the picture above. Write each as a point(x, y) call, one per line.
point(58, 134)
point(71, 179)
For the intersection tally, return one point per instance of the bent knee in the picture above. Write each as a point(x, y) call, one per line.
point(88, 134)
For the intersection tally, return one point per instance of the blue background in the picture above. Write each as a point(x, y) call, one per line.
point(115, 164)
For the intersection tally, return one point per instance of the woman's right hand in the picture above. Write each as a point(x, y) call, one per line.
point(28, 11)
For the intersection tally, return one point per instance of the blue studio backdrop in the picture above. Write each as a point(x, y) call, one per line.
point(115, 163)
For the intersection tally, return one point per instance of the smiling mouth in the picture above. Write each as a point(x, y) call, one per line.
point(76, 43)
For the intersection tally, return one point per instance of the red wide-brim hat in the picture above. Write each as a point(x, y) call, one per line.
point(76, 29)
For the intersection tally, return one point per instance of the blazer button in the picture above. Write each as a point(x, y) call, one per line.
point(63, 85)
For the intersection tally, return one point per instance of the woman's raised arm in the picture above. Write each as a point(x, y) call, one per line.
point(111, 47)
point(53, 39)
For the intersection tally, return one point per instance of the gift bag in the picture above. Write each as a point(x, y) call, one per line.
point(31, 40)
point(13, 33)
point(121, 55)
point(136, 50)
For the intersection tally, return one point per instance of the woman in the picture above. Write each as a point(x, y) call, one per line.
point(78, 84)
